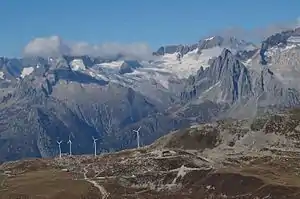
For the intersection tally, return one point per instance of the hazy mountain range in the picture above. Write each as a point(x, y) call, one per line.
point(45, 99)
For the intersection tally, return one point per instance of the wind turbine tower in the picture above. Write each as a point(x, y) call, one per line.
point(59, 148)
point(70, 146)
point(138, 136)
point(95, 146)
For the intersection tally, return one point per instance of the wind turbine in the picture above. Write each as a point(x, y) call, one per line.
point(138, 136)
point(70, 145)
point(95, 146)
point(59, 149)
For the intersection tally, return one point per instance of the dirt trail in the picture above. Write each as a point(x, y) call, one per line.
point(103, 191)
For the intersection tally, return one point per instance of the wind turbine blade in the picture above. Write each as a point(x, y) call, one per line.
point(139, 128)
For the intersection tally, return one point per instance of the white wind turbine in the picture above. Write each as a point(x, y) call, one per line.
point(95, 146)
point(59, 148)
point(138, 136)
point(70, 145)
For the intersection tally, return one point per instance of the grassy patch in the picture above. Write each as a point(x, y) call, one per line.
point(52, 184)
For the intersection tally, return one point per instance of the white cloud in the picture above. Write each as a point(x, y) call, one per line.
point(48, 46)
point(54, 46)
point(106, 50)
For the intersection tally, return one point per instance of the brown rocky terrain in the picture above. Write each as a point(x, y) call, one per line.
point(257, 159)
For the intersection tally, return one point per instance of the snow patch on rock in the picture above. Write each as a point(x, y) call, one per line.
point(77, 64)
point(1, 75)
point(27, 71)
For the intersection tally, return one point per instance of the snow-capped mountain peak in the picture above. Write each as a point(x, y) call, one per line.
point(185, 60)
point(232, 43)
point(210, 38)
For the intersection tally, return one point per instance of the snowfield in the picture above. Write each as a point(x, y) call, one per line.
point(189, 64)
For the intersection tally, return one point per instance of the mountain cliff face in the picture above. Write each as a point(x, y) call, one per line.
point(45, 100)
point(229, 81)
point(226, 74)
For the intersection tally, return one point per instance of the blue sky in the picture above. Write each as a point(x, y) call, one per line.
point(156, 22)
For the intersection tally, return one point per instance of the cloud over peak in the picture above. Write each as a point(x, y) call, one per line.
point(258, 33)
point(48, 46)
point(55, 46)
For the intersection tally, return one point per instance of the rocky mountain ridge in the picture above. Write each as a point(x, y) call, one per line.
point(207, 43)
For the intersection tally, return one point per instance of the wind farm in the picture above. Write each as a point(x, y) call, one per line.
point(70, 142)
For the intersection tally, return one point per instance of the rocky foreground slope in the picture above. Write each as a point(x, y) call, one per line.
point(242, 159)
